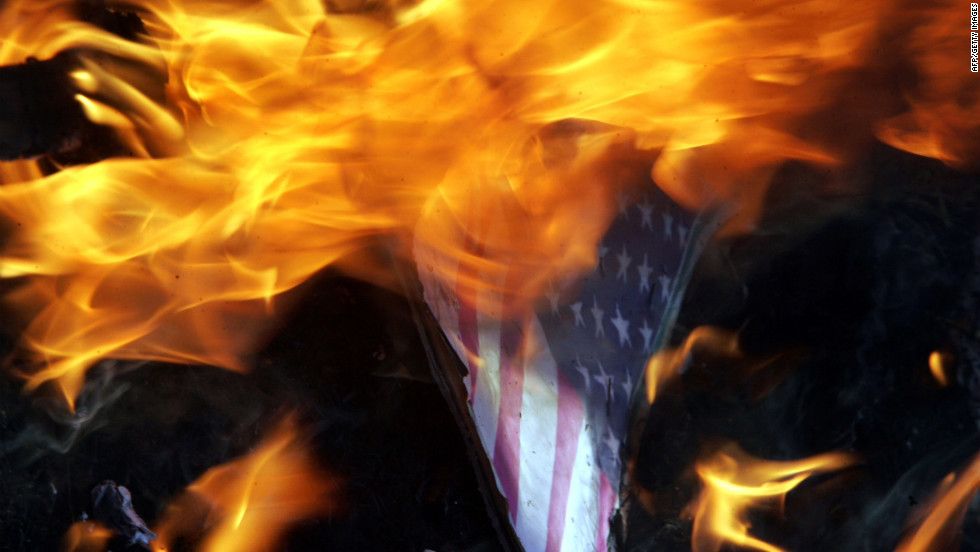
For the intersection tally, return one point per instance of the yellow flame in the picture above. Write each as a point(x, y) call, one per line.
point(734, 482)
point(271, 140)
point(247, 504)
point(944, 511)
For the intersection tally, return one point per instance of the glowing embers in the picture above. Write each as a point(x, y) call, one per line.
point(734, 483)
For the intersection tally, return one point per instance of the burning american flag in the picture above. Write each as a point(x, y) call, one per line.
point(551, 395)
point(539, 162)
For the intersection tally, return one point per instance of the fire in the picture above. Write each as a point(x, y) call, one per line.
point(944, 119)
point(249, 503)
point(670, 362)
point(272, 139)
point(943, 514)
point(734, 482)
point(937, 366)
point(87, 536)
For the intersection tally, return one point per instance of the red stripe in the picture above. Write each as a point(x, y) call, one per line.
point(571, 414)
point(607, 499)
point(507, 447)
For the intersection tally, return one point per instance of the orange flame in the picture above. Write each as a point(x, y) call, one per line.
point(735, 482)
point(668, 363)
point(87, 536)
point(945, 511)
point(249, 503)
point(944, 119)
point(937, 366)
point(287, 133)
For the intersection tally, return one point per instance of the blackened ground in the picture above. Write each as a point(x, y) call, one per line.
point(349, 361)
point(850, 302)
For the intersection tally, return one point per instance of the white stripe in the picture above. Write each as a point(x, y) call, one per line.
point(539, 423)
point(486, 401)
point(437, 271)
point(582, 513)
point(436, 289)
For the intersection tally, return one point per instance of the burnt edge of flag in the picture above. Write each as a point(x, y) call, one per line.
point(448, 372)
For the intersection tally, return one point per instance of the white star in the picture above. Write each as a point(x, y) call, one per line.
point(597, 316)
point(645, 270)
point(664, 286)
point(628, 384)
point(646, 213)
point(624, 263)
point(602, 377)
point(622, 328)
point(581, 369)
point(647, 332)
point(681, 233)
point(668, 225)
point(612, 442)
point(577, 311)
point(552, 296)
point(624, 204)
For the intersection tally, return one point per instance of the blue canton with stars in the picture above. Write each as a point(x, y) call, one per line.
point(602, 338)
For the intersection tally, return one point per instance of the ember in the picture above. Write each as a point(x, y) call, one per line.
point(205, 183)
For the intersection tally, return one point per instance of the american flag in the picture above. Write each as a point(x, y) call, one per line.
point(551, 397)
